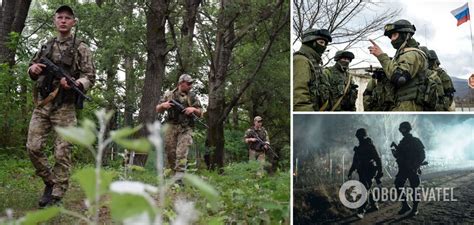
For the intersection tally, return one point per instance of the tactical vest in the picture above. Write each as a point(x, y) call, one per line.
point(262, 134)
point(383, 95)
point(448, 86)
point(338, 81)
point(419, 89)
point(441, 101)
point(66, 62)
point(318, 86)
point(174, 115)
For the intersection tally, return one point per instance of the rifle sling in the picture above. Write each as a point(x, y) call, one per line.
point(344, 94)
point(47, 100)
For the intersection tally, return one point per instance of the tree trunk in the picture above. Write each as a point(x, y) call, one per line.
point(156, 47)
point(187, 34)
point(129, 91)
point(226, 39)
point(225, 34)
point(110, 98)
point(13, 16)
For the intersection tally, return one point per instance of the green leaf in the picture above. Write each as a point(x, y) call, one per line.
point(207, 190)
point(123, 206)
point(40, 216)
point(271, 205)
point(77, 135)
point(139, 145)
point(88, 124)
point(215, 221)
point(124, 132)
point(87, 181)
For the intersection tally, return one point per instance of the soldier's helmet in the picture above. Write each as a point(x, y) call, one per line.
point(361, 132)
point(433, 56)
point(426, 51)
point(400, 26)
point(312, 34)
point(343, 54)
point(405, 125)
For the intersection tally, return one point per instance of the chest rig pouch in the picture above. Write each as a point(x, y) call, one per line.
point(318, 85)
point(175, 116)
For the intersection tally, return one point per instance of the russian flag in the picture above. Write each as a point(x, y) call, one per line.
point(461, 14)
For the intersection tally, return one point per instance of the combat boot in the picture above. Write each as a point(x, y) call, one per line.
point(55, 201)
point(405, 208)
point(375, 206)
point(414, 211)
point(46, 198)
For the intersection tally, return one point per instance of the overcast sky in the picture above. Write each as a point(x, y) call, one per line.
point(436, 28)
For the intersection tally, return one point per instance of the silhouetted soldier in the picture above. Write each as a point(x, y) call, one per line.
point(368, 165)
point(410, 155)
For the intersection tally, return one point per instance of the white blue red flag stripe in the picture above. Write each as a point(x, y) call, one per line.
point(462, 14)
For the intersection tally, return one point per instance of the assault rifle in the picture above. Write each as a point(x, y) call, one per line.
point(377, 73)
point(181, 108)
point(53, 71)
point(261, 145)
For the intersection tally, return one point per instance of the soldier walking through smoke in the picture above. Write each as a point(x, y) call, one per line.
point(368, 165)
point(410, 155)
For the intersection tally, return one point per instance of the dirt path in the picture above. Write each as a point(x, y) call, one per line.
point(460, 211)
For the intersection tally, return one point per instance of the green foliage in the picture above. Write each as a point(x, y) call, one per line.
point(77, 135)
point(236, 149)
point(43, 215)
point(207, 190)
point(248, 197)
point(124, 206)
point(87, 180)
point(139, 145)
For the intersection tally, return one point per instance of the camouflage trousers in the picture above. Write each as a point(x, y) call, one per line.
point(178, 138)
point(43, 120)
point(256, 155)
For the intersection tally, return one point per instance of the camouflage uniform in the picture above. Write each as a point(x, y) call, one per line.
point(408, 69)
point(254, 152)
point(178, 136)
point(448, 87)
point(338, 79)
point(310, 85)
point(411, 60)
point(60, 111)
point(379, 95)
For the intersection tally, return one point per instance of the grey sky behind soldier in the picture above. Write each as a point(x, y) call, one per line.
point(436, 28)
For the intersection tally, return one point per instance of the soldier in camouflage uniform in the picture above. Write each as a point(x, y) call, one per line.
point(257, 149)
point(178, 136)
point(434, 76)
point(343, 92)
point(58, 107)
point(407, 70)
point(379, 94)
point(310, 85)
point(448, 87)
